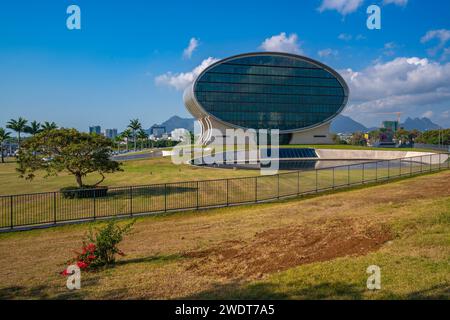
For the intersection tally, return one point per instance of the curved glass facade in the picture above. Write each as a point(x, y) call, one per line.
point(270, 91)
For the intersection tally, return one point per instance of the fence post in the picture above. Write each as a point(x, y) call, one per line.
point(165, 197)
point(363, 175)
point(410, 167)
point(298, 183)
point(317, 184)
point(228, 203)
point(95, 214)
point(11, 211)
point(197, 195)
point(131, 201)
point(376, 171)
point(389, 169)
point(54, 207)
point(348, 175)
point(278, 186)
point(439, 161)
point(333, 178)
point(256, 189)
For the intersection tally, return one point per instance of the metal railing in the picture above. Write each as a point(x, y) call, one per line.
point(439, 147)
point(52, 208)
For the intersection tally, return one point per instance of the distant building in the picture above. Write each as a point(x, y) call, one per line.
point(95, 129)
point(165, 136)
point(347, 137)
point(10, 148)
point(111, 133)
point(391, 125)
point(158, 131)
point(178, 134)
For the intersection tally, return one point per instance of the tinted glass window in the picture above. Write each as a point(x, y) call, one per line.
point(270, 92)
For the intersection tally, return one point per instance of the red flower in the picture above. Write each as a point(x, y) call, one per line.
point(82, 264)
point(91, 247)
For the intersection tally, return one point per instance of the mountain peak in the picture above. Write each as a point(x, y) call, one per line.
point(421, 124)
point(344, 124)
point(176, 122)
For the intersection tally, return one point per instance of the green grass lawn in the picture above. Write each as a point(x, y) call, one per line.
point(156, 195)
point(136, 172)
point(317, 247)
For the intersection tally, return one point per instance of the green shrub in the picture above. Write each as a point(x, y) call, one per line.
point(100, 247)
point(106, 240)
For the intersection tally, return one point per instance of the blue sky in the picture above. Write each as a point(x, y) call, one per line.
point(127, 60)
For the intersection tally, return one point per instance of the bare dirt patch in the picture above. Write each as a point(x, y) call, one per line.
point(279, 249)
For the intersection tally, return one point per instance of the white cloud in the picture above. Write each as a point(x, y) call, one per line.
point(446, 53)
point(403, 84)
point(193, 44)
point(442, 35)
point(345, 37)
point(344, 7)
point(327, 52)
point(401, 3)
point(446, 114)
point(180, 81)
point(389, 48)
point(282, 43)
point(428, 114)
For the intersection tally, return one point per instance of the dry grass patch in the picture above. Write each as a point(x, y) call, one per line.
point(218, 252)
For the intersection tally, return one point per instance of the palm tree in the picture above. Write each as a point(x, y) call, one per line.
point(127, 134)
point(33, 128)
point(47, 126)
point(118, 139)
point(135, 125)
point(143, 136)
point(3, 137)
point(18, 126)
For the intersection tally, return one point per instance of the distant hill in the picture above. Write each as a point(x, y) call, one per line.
point(341, 124)
point(344, 124)
point(423, 124)
point(175, 122)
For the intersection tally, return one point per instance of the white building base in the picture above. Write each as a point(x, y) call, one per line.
point(319, 135)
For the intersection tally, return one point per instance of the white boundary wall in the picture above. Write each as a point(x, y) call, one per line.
point(338, 154)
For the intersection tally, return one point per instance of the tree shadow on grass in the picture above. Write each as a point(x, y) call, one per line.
point(438, 292)
point(261, 290)
point(322, 291)
point(47, 292)
point(151, 190)
point(37, 292)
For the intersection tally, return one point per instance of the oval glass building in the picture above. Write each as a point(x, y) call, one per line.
point(268, 90)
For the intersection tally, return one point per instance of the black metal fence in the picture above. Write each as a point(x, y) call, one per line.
point(52, 208)
point(439, 147)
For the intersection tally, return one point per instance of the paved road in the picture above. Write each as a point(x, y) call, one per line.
point(149, 155)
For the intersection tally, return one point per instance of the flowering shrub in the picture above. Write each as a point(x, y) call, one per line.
point(100, 247)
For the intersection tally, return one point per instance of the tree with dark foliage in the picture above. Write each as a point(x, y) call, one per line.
point(68, 150)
